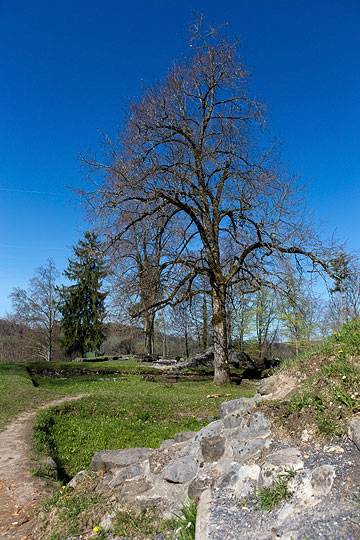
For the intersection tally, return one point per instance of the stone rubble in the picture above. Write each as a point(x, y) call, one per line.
point(225, 462)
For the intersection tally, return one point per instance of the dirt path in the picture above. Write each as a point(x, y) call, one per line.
point(20, 492)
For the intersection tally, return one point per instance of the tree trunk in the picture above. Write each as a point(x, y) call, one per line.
point(205, 325)
point(149, 332)
point(186, 336)
point(221, 353)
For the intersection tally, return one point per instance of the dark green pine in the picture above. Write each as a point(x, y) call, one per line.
point(82, 304)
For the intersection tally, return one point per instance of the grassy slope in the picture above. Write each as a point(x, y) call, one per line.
point(328, 394)
point(122, 411)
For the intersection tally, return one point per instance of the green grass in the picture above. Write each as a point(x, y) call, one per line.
point(271, 497)
point(76, 512)
point(124, 408)
point(185, 524)
point(70, 512)
point(122, 413)
point(17, 392)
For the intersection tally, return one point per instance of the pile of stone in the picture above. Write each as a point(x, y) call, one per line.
point(225, 462)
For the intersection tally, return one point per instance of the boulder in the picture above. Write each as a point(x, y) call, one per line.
point(158, 459)
point(180, 470)
point(108, 460)
point(354, 430)
point(322, 479)
point(212, 448)
point(118, 476)
point(74, 481)
point(184, 436)
point(249, 450)
point(134, 487)
point(239, 406)
point(279, 463)
point(277, 387)
point(201, 482)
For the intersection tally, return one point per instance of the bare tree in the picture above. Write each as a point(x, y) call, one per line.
point(194, 146)
point(139, 275)
point(298, 312)
point(344, 297)
point(37, 308)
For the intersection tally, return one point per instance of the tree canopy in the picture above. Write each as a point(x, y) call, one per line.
point(194, 147)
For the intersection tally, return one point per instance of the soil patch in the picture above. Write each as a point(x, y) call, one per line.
point(20, 492)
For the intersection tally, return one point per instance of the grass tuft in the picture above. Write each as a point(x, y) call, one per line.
point(271, 497)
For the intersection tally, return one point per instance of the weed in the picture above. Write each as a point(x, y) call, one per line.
point(131, 524)
point(329, 393)
point(269, 498)
point(70, 512)
point(185, 524)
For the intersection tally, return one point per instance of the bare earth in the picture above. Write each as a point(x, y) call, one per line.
point(20, 492)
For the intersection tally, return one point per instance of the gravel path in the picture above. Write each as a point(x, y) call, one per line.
point(19, 490)
point(333, 519)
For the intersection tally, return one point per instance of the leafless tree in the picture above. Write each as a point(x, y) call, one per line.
point(344, 297)
point(194, 146)
point(37, 308)
point(138, 274)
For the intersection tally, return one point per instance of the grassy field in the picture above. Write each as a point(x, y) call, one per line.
point(128, 405)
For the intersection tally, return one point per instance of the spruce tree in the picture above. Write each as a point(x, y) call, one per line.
point(82, 304)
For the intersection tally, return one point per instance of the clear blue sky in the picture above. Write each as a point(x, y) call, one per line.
point(68, 68)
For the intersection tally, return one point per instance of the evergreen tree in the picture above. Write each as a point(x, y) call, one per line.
point(82, 304)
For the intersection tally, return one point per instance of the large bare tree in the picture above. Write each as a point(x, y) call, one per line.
point(194, 145)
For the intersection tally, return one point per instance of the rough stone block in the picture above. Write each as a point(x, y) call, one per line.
point(184, 436)
point(180, 470)
point(119, 476)
point(239, 406)
point(322, 479)
point(108, 460)
point(212, 448)
point(278, 463)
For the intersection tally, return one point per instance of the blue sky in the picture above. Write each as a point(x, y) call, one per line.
point(68, 68)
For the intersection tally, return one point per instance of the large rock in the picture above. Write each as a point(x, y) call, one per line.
point(118, 476)
point(249, 450)
point(158, 459)
point(239, 406)
point(202, 481)
point(279, 463)
point(277, 387)
point(108, 460)
point(322, 479)
point(183, 436)
point(133, 488)
point(241, 479)
point(212, 448)
point(180, 470)
point(354, 430)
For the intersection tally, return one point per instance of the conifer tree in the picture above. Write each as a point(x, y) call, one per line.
point(82, 304)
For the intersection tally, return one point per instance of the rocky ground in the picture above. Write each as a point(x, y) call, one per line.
point(225, 464)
